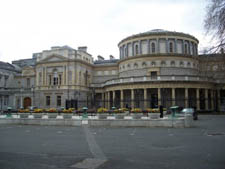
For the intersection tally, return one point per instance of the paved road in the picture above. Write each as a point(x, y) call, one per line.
point(45, 147)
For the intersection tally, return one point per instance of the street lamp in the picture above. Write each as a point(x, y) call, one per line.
point(32, 89)
point(21, 98)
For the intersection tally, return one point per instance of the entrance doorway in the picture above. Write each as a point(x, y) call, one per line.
point(71, 104)
point(26, 102)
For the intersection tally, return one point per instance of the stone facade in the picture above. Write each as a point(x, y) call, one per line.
point(155, 68)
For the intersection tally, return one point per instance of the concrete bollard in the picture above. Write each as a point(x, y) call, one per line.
point(188, 121)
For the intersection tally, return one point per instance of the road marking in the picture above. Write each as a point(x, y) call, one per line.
point(99, 156)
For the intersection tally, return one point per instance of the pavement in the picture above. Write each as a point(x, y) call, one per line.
point(58, 147)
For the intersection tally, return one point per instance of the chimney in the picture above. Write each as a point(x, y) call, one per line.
point(82, 48)
point(100, 58)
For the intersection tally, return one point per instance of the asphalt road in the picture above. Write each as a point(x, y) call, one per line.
point(48, 147)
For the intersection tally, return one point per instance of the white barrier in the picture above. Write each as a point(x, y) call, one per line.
point(45, 117)
point(111, 117)
point(30, 116)
point(59, 117)
point(128, 117)
point(77, 117)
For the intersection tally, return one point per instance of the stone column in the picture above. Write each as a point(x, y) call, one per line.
point(186, 97)
point(206, 100)
point(148, 46)
point(109, 100)
point(173, 97)
point(167, 45)
point(145, 99)
point(219, 100)
point(132, 98)
point(159, 97)
point(140, 48)
point(157, 48)
point(114, 97)
point(212, 100)
point(198, 99)
point(175, 46)
point(121, 99)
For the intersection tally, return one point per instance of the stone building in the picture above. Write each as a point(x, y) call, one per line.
point(155, 68)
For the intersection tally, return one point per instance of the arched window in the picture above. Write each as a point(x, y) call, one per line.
point(181, 63)
point(153, 63)
point(135, 65)
point(136, 49)
point(171, 47)
point(144, 64)
point(172, 63)
point(188, 64)
point(153, 47)
point(163, 63)
point(185, 49)
point(128, 66)
point(55, 78)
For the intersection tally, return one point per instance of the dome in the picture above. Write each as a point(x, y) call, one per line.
point(8, 66)
point(159, 32)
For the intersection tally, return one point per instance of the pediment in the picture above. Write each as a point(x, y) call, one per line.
point(54, 58)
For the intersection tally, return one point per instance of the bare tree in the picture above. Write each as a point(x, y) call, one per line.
point(214, 24)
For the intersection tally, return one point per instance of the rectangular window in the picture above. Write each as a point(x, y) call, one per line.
point(50, 79)
point(55, 81)
point(60, 79)
point(58, 100)
point(48, 100)
point(6, 100)
point(28, 82)
point(153, 75)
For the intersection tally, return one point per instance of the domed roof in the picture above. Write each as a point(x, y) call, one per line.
point(8, 66)
point(159, 32)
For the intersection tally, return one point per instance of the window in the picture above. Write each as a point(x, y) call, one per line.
point(153, 47)
point(181, 63)
point(188, 64)
point(60, 79)
point(144, 64)
point(58, 100)
point(128, 66)
point(55, 79)
point(28, 82)
point(153, 63)
point(172, 63)
point(135, 65)
point(154, 75)
point(6, 100)
point(48, 100)
point(50, 79)
point(171, 47)
point(136, 49)
point(163, 63)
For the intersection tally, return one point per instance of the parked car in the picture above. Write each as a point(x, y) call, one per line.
point(191, 111)
point(179, 111)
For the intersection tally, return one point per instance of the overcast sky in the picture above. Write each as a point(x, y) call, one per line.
point(30, 26)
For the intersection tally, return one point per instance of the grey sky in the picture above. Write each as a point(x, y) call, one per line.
point(29, 26)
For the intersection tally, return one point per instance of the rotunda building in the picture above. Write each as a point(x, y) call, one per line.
point(159, 67)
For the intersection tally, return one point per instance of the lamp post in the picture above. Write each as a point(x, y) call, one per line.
point(32, 89)
point(21, 98)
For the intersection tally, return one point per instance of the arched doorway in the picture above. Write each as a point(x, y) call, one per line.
point(26, 102)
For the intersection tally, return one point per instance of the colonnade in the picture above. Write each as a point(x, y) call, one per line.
point(201, 98)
